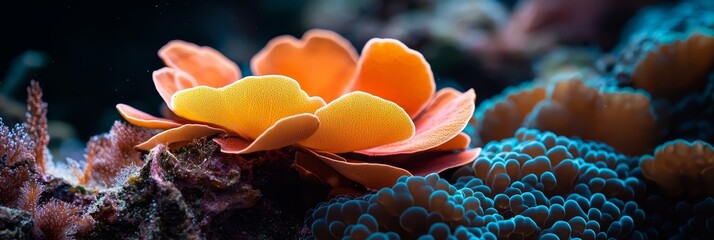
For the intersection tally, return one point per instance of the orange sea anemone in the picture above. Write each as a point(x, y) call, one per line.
point(317, 94)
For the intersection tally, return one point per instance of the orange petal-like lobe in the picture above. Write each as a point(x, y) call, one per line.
point(461, 141)
point(284, 132)
point(359, 121)
point(371, 175)
point(247, 107)
point(322, 62)
point(186, 132)
point(169, 81)
point(145, 120)
point(437, 165)
point(442, 121)
point(390, 70)
point(208, 66)
point(422, 164)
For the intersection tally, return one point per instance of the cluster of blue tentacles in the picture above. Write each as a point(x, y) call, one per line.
point(535, 185)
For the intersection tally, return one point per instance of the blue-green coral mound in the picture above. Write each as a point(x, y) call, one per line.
point(535, 185)
point(555, 165)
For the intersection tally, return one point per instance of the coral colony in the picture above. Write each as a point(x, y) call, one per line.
point(323, 142)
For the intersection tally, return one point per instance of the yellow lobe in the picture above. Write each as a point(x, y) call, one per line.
point(357, 121)
point(247, 107)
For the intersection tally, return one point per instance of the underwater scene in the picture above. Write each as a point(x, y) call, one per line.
point(349, 119)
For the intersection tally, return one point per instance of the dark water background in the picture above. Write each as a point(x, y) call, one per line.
point(100, 53)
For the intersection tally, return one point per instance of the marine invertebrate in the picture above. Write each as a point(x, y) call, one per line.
point(680, 167)
point(555, 165)
point(22, 177)
point(15, 144)
point(430, 207)
point(197, 191)
point(353, 106)
point(60, 220)
point(438, 117)
point(618, 118)
point(109, 153)
point(689, 61)
point(12, 178)
point(572, 108)
point(671, 56)
point(37, 123)
point(499, 117)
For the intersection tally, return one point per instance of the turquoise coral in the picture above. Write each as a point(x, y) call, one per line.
point(565, 188)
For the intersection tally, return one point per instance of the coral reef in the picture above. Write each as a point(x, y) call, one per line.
point(199, 192)
point(53, 213)
point(555, 165)
point(325, 142)
point(671, 58)
point(534, 185)
point(673, 218)
point(37, 123)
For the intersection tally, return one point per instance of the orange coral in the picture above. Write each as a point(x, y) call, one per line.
point(504, 116)
point(622, 119)
point(381, 104)
point(675, 69)
point(681, 167)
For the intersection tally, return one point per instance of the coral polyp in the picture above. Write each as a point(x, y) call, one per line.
point(621, 118)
